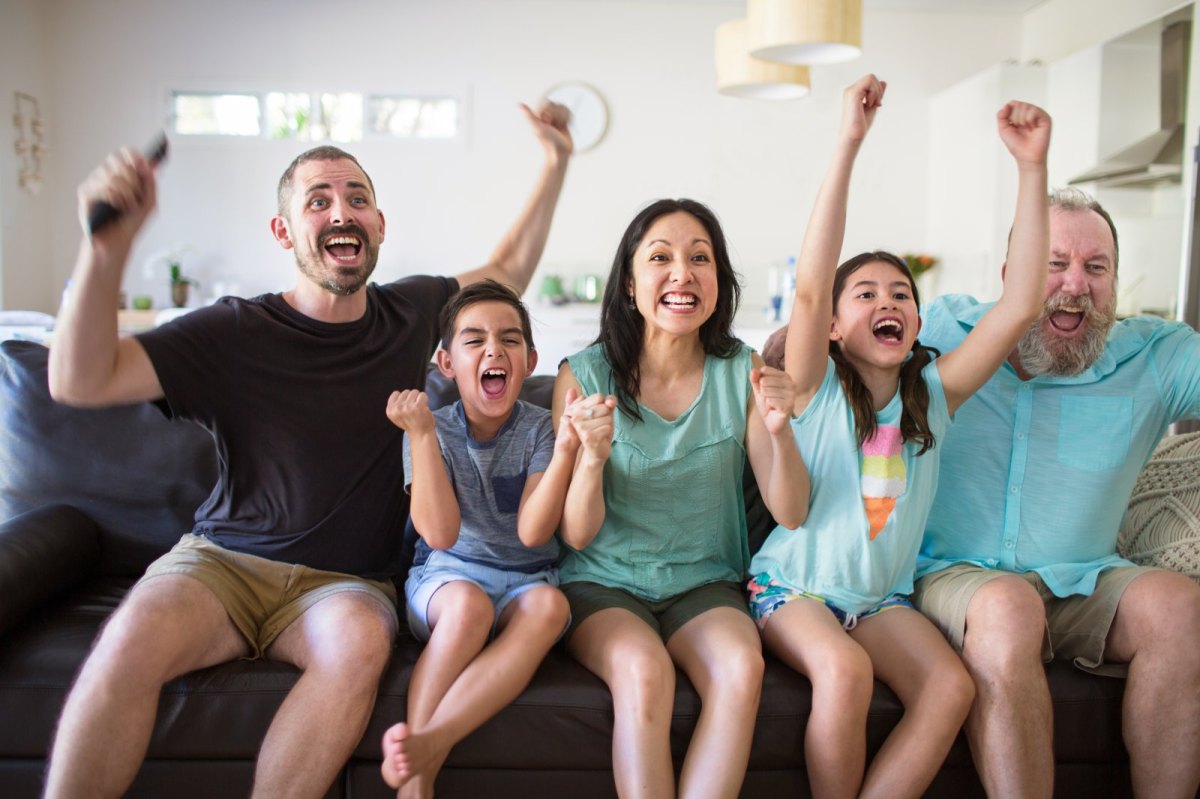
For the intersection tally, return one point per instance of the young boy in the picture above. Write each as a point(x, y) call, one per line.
point(487, 479)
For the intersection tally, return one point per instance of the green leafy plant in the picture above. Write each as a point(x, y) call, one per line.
point(919, 263)
point(177, 275)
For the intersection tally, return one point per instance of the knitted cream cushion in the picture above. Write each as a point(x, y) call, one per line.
point(1162, 526)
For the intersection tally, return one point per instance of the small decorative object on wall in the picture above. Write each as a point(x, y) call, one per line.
point(30, 141)
point(589, 112)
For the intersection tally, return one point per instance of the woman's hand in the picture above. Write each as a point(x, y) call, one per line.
point(592, 420)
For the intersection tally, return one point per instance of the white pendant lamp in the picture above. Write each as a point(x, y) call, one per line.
point(804, 31)
point(740, 75)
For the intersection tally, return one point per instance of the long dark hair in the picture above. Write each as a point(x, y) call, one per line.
point(622, 328)
point(914, 394)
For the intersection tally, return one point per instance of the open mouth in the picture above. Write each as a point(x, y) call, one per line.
point(493, 382)
point(344, 247)
point(1067, 320)
point(889, 331)
point(679, 301)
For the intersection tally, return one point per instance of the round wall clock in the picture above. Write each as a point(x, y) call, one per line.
point(589, 112)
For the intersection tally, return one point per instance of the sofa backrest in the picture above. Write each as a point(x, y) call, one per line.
point(139, 476)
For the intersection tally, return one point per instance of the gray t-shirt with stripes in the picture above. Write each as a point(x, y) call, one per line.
point(488, 478)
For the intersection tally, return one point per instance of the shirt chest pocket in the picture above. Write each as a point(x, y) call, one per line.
point(1094, 432)
point(508, 491)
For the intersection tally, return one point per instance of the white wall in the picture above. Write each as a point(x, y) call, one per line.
point(758, 164)
point(1055, 29)
point(26, 269)
point(1097, 91)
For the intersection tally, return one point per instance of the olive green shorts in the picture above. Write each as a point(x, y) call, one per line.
point(664, 616)
point(262, 596)
point(1076, 626)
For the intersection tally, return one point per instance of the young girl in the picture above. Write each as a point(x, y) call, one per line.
point(831, 597)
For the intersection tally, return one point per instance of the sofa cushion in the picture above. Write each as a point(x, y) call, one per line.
point(1162, 524)
point(137, 475)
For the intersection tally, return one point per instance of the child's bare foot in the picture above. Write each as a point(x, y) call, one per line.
point(411, 756)
point(395, 766)
point(419, 787)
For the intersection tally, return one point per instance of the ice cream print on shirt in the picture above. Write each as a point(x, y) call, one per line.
point(884, 476)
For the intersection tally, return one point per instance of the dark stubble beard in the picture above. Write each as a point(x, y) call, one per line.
point(339, 280)
point(1043, 353)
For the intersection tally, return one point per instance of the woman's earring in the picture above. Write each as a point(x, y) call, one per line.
point(632, 301)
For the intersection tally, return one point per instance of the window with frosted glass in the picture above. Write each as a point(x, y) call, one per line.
point(216, 114)
point(413, 117)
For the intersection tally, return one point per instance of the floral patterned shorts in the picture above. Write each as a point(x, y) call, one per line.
point(766, 595)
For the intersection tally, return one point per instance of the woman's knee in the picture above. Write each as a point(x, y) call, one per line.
point(643, 680)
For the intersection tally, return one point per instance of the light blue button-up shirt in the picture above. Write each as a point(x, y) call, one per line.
point(1036, 474)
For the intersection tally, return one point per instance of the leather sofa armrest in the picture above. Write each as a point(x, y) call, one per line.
point(42, 553)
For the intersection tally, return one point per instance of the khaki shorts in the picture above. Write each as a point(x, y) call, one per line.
point(664, 616)
point(262, 596)
point(1076, 626)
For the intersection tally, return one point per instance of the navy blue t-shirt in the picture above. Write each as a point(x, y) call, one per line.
point(308, 460)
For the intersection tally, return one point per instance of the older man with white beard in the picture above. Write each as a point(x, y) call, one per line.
point(1019, 563)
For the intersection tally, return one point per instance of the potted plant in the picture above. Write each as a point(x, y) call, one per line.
point(180, 285)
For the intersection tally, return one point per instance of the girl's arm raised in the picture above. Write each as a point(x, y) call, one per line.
point(807, 345)
point(1025, 131)
point(781, 474)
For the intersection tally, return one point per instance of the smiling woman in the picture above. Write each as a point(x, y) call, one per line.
point(654, 524)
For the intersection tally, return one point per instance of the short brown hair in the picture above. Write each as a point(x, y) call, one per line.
point(484, 291)
point(325, 152)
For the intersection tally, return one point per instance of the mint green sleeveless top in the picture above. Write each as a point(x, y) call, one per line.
point(674, 517)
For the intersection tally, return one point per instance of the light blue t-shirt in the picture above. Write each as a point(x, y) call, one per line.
point(674, 516)
point(488, 478)
point(1038, 473)
point(868, 505)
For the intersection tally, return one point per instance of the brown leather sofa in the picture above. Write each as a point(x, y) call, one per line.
point(89, 497)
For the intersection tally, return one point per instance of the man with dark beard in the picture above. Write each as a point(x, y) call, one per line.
point(292, 555)
point(1019, 561)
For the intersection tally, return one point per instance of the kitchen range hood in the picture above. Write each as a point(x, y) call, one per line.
point(1158, 157)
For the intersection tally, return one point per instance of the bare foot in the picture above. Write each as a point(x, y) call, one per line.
point(419, 787)
point(395, 766)
point(409, 755)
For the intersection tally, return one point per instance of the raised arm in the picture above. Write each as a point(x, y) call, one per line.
point(90, 365)
point(434, 508)
point(781, 474)
point(592, 420)
point(1025, 131)
point(517, 255)
point(807, 346)
point(545, 492)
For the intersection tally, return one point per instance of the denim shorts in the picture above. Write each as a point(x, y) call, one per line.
point(502, 586)
point(767, 595)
